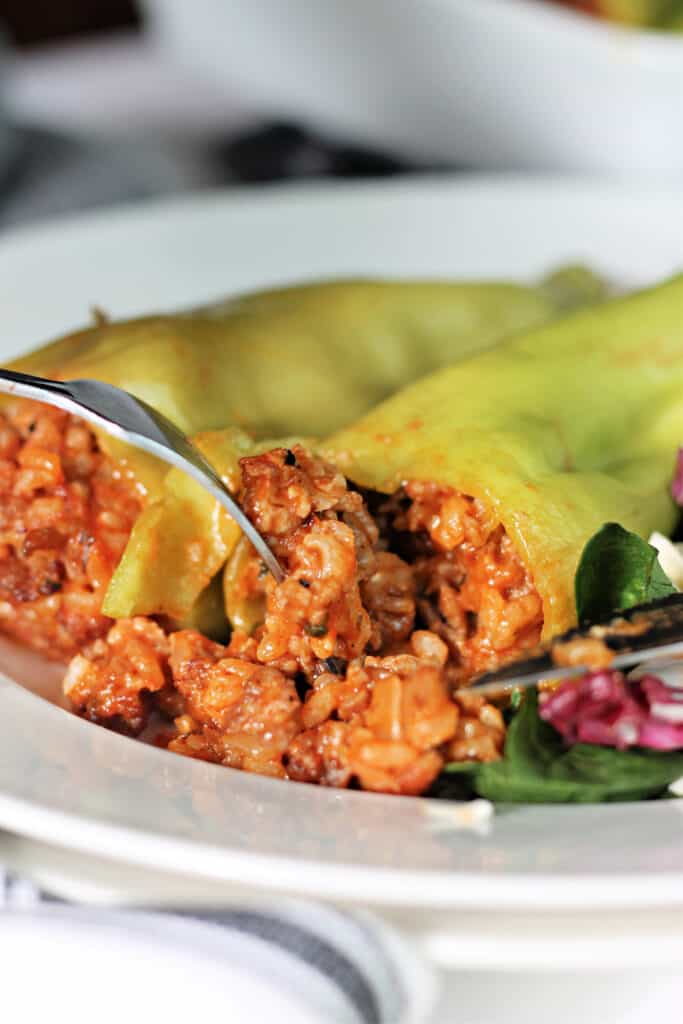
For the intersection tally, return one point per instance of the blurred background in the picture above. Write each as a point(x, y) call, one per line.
point(104, 101)
point(101, 102)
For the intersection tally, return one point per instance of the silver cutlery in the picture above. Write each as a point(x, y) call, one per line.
point(131, 420)
point(644, 634)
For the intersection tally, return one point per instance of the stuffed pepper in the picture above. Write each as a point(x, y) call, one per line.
point(436, 537)
point(303, 359)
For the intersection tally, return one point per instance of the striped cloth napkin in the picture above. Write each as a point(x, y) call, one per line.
point(297, 963)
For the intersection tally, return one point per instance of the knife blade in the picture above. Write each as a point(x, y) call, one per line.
point(645, 633)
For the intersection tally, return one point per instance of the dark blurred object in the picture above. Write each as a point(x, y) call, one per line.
point(281, 151)
point(587, 6)
point(54, 174)
point(28, 22)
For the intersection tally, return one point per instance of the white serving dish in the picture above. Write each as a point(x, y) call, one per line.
point(491, 84)
point(166, 827)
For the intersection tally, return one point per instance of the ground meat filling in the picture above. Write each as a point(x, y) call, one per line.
point(237, 711)
point(325, 540)
point(473, 589)
point(114, 684)
point(66, 512)
point(352, 674)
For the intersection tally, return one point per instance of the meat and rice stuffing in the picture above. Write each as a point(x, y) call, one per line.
point(353, 674)
point(66, 512)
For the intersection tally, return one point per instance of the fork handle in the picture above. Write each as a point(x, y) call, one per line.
point(40, 384)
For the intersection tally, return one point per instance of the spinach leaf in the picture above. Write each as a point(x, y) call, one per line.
point(617, 570)
point(539, 768)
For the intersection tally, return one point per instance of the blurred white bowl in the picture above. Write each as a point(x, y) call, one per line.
point(518, 84)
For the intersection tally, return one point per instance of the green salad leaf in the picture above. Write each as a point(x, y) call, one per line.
point(539, 769)
point(617, 570)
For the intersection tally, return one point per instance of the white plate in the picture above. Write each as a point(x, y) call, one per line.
point(70, 783)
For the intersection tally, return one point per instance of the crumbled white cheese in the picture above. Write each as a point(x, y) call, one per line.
point(670, 558)
point(627, 733)
point(451, 816)
point(668, 712)
point(676, 788)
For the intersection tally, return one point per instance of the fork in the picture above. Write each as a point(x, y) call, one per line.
point(120, 414)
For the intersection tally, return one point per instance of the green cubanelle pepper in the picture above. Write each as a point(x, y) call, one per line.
point(173, 562)
point(306, 359)
point(558, 431)
point(302, 360)
point(184, 536)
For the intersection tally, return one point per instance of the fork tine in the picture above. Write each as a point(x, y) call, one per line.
point(130, 419)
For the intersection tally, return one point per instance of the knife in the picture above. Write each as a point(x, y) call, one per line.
point(645, 633)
